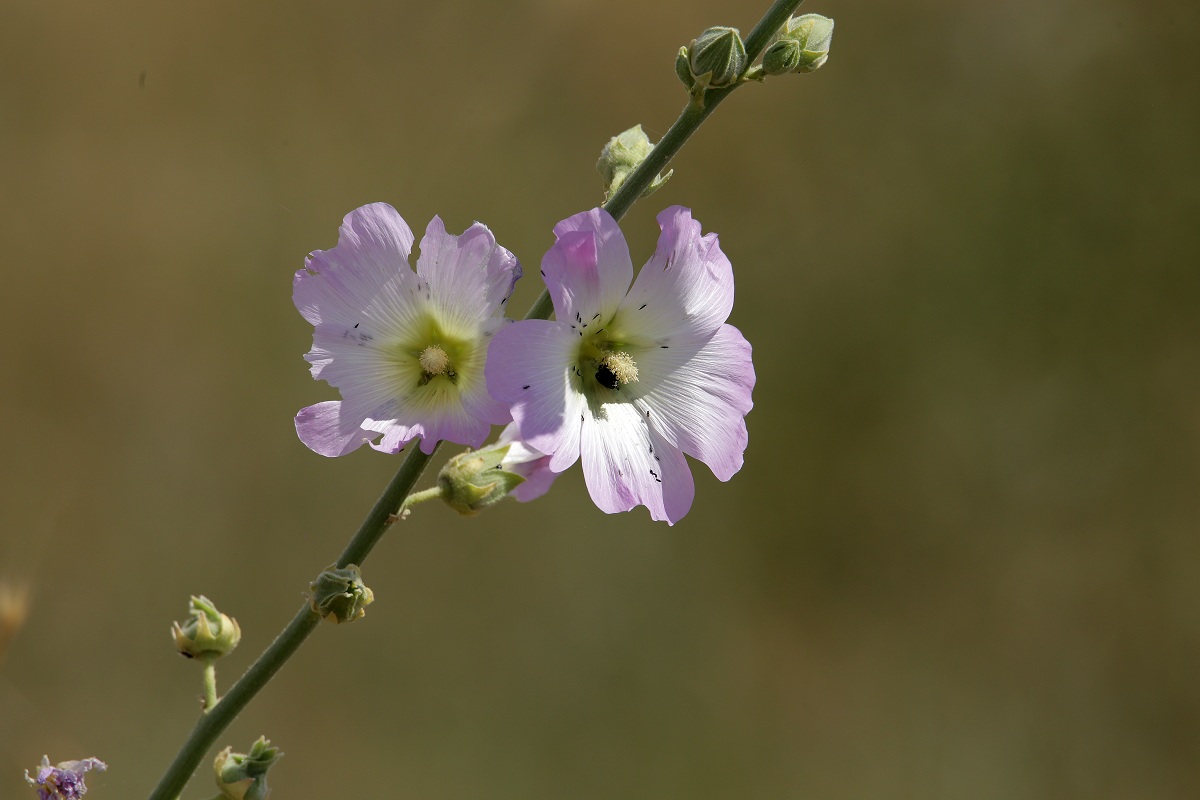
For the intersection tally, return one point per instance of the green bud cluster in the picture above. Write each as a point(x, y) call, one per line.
point(339, 595)
point(622, 155)
point(207, 632)
point(243, 776)
point(802, 46)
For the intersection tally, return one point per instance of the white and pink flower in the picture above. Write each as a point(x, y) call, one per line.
point(405, 349)
point(631, 377)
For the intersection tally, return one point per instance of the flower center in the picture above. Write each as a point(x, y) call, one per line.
point(616, 369)
point(434, 360)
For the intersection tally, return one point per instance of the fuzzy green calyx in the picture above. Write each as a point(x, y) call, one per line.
point(243, 776)
point(622, 155)
point(339, 595)
point(207, 632)
point(716, 58)
point(472, 481)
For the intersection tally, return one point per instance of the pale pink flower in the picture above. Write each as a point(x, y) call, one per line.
point(405, 349)
point(631, 377)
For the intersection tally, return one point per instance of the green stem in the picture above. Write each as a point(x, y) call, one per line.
point(210, 725)
point(688, 122)
point(210, 683)
point(432, 493)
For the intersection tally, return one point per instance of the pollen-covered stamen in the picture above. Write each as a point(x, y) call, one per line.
point(434, 360)
point(617, 369)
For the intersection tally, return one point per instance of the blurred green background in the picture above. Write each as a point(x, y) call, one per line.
point(962, 560)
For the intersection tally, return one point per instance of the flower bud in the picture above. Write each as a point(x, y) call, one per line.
point(476, 479)
point(207, 632)
point(243, 776)
point(813, 33)
point(717, 57)
point(782, 57)
point(339, 595)
point(622, 155)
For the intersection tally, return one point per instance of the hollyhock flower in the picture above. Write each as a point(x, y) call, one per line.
point(631, 378)
point(64, 781)
point(406, 350)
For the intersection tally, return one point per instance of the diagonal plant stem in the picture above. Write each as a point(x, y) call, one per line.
point(212, 724)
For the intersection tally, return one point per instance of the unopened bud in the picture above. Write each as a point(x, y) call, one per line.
point(339, 595)
point(207, 632)
point(813, 34)
point(622, 155)
point(476, 479)
point(717, 57)
point(782, 57)
point(243, 776)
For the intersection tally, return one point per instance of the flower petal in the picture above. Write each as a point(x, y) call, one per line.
point(400, 423)
point(588, 268)
point(531, 464)
point(685, 289)
point(529, 367)
point(469, 277)
point(373, 246)
point(626, 463)
point(324, 429)
point(699, 395)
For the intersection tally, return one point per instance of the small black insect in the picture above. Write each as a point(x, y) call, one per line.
point(606, 378)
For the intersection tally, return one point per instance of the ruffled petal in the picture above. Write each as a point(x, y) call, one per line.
point(529, 366)
point(698, 395)
point(373, 246)
point(324, 429)
point(685, 289)
point(626, 463)
point(401, 421)
point(588, 268)
point(469, 278)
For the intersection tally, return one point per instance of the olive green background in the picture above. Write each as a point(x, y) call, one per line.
point(963, 558)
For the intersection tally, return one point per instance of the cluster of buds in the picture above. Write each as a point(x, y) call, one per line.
point(243, 776)
point(716, 59)
point(207, 632)
point(802, 46)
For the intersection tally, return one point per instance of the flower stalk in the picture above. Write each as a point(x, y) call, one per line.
point(383, 513)
point(210, 683)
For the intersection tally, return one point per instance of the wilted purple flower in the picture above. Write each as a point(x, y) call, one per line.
point(631, 378)
point(64, 781)
point(405, 349)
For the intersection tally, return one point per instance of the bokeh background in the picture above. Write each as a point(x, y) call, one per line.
point(963, 558)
